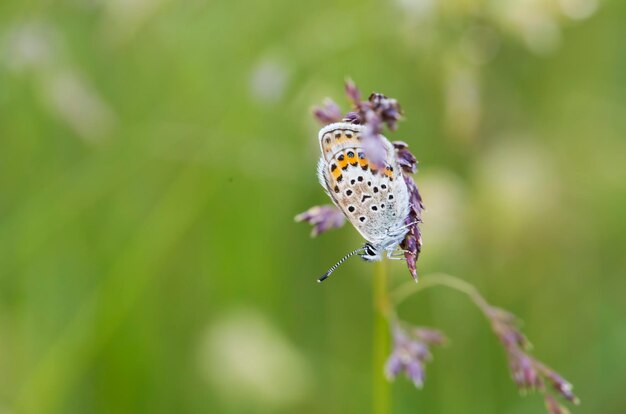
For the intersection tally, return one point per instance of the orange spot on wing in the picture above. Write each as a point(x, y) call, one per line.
point(363, 162)
point(351, 159)
point(373, 168)
point(388, 172)
point(342, 161)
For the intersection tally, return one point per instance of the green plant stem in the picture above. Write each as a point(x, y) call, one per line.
point(381, 387)
point(402, 292)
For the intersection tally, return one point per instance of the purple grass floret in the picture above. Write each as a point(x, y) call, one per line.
point(406, 159)
point(322, 218)
point(352, 117)
point(527, 372)
point(352, 92)
point(328, 113)
point(412, 243)
point(411, 351)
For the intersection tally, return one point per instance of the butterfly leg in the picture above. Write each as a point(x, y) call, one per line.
point(395, 255)
point(406, 226)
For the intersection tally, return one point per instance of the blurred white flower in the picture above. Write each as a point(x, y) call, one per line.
point(35, 48)
point(578, 9)
point(249, 361)
point(29, 45)
point(462, 101)
point(446, 210)
point(68, 96)
point(541, 34)
point(123, 18)
point(517, 183)
point(418, 9)
point(534, 21)
point(268, 81)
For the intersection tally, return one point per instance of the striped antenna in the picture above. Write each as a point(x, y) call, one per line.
point(336, 265)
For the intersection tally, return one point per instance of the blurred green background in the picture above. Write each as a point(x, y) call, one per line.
point(154, 153)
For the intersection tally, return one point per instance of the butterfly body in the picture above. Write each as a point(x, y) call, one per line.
point(372, 195)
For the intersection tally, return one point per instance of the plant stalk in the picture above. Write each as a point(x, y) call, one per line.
point(381, 387)
point(440, 279)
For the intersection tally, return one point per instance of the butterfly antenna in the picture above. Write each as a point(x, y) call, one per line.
point(336, 265)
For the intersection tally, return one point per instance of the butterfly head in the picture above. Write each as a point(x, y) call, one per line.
point(370, 253)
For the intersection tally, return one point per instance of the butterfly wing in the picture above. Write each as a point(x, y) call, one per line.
point(375, 200)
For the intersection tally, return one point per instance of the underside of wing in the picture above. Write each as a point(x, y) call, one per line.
point(374, 200)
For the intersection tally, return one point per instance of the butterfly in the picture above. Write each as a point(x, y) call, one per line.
point(372, 195)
